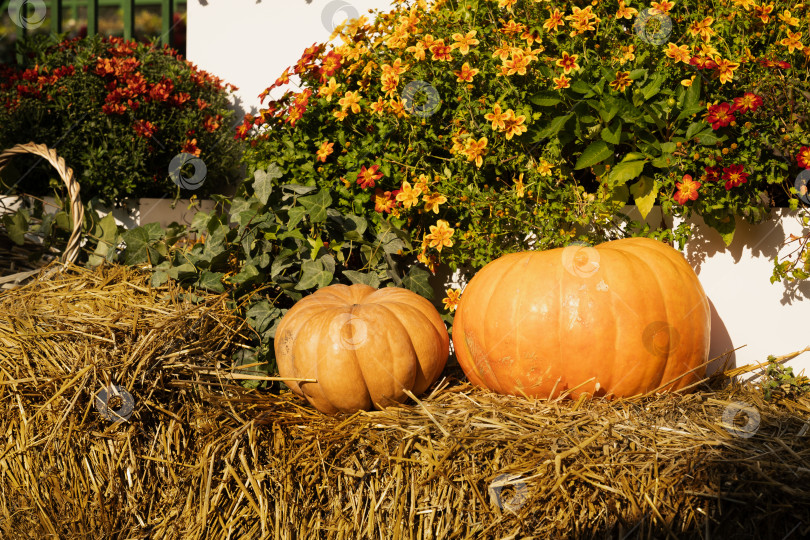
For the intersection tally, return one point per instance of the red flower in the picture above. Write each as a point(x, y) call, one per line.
point(367, 177)
point(161, 91)
point(687, 190)
point(712, 173)
point(734, 176)
point(330, 64)
point(748, 102)
point(144, 128)
point(720, 115)
point(212, 123)
point(701, 62)
point(803, 158)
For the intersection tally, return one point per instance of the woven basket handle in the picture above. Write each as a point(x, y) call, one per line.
point(76, 209)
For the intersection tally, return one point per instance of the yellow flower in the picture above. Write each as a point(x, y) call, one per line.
point(409, 196)
point(327, 90)
point(496, 117)
point(745, 4)
point(378, 107)
point(432, 201)
point(544, 168)
point(792, 41)
point(679, 54)
point(622, 81)
point(427, 260)
point(422, 183)
point(702, 28)
point(625, 12)
point(517, 64)
point(466, 74)
point(726, 69)
point(389, 84)
point(474, 150)
point(688, 82)
point(463, 42)
point(452, 299)
point(396, 69)
point(417, 50)
point(568, 62)
point(503, 52)
point(440, 235)
point(519, 187)
point(788, 19)
point(554, 20)
point(506, 4)
point(350, 100)
point(340, 115)
point(514, 125)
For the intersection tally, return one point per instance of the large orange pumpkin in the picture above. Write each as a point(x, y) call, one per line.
point(364, 346)
point(623, 318)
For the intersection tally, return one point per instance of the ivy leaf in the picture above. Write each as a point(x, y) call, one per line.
point(139, 250)
point(294, 216)
point(417, 281)
point(626, 170)
point(597, 151)
point(644, 192)
point(247, 273)
point(16, 226)
point(317, 204)
point(211, 281)
point(280, 264)
point(360, 278)
point(298, 189)
point(182, 271)
point(313, 274)
point(263, 182)
point(261, 315)
point(725, 225)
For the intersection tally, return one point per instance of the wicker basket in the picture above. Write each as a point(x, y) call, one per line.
point(71, 251)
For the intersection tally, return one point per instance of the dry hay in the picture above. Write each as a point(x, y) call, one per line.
point(203, 457)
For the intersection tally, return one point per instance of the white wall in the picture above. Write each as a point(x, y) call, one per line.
point(249, 43)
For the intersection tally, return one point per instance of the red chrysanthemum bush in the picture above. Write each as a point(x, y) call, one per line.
point(118, 112)
point(483, 127)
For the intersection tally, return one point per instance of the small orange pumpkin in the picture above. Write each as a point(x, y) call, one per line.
point(623, 318)
point(364, 346)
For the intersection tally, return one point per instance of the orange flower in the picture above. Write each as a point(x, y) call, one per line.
point(190, 147)
point(561, 82)
point(383, 201)
point(145, 129)
point(440, 235)
point(452, 299)
point(687, 190)
point(389, 84)
point(517, 64)
point(441, 51)
point(324, 151)
point(466, 74)
point(702, 28)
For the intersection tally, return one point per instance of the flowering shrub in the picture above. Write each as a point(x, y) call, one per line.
point(488, 126)
point(118, 112)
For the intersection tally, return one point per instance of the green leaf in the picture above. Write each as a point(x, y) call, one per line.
point(63, 221)
point(298, 189)
point(368, 278)
point(612, 133)
point(668, 147)
point(138, 249)
point(247, 273)
point(211, 281)
point(693, 94)
point(626, 170)
point(693, 128)
point(317, 204)
point(620, 194)
point(545, 99)
point(644, 192)
point(263, 182)
point(417, 281)
point(313, 274)
point(262, 315)
point(555, 126)
point(294, 216)
point(183, 271)
point(595, 152)
point(654, 86)
point(707, 137)
point(725, 225)
point(159, 278)
point(16, 226)
point(581, 87)
point(608, 110)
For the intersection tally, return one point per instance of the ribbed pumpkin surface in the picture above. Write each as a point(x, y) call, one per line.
point(622, 318)
point(364, 346)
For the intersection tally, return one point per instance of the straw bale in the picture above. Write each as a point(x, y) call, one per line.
point(203, 457)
